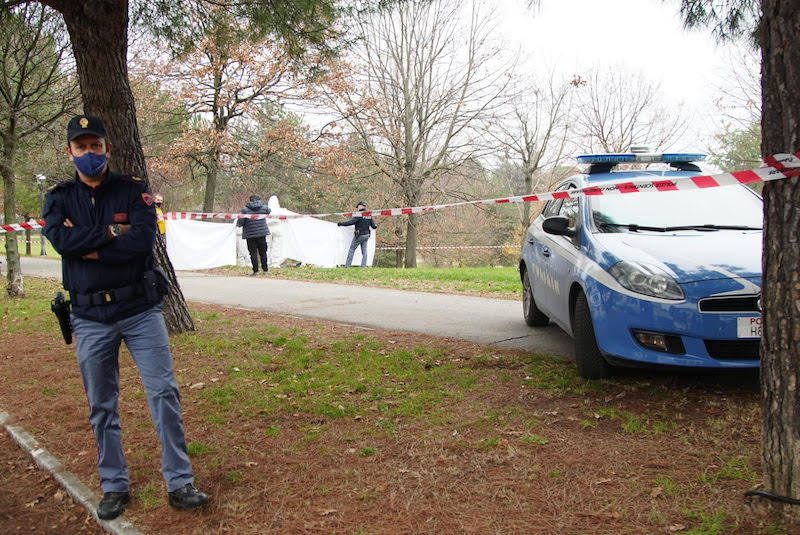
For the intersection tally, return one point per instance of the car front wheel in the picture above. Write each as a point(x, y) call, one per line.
point(591, 364)
point(533, 316)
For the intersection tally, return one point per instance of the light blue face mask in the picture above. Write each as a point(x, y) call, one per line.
point(90, 164)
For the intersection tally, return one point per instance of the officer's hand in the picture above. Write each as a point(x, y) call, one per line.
point(124, 228)
point(91, 256)
point(68, 223)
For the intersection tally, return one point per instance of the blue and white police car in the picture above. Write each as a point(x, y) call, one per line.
point(669, 278)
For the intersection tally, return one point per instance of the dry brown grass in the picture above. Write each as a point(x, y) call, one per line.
point(661, 453)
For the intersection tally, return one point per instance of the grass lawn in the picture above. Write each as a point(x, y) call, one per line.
point(499, 282)
point(305, 426)
point(36, 246)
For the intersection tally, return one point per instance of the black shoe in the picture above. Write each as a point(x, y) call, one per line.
point(187, 497)
point(112, 505)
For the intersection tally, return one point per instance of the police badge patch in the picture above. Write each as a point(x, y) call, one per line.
point(148, 199)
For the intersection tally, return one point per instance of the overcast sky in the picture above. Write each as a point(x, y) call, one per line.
point(639, 35)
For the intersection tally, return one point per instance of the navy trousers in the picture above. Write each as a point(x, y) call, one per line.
point(97, 346)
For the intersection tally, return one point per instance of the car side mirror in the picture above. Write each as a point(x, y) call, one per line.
point(558, 225)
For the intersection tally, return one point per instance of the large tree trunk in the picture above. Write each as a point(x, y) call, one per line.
point(14, 285)
point(98, 31)
point(211, 183)
point(412, 191)
point(525, 219)
point(176, 314)
point(99, 35)
point(411, 241)
point(780, 345)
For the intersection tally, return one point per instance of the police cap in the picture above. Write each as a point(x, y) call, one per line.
point(85, 124)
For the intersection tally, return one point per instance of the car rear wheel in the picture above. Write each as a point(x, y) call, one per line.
point(591, 364)
point(533, 316)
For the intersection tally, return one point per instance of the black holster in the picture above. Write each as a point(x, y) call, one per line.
point(156, 285)
point(60, 308)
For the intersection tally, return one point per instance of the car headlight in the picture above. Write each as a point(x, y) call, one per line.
point(646, 279)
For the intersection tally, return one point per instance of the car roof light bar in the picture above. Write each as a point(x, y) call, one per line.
point(667, 157)
point(607, 158)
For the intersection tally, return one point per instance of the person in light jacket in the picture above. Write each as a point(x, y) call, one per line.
point(360, 235)
point(255, 231)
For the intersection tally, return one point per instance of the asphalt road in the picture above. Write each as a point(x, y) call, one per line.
point(487, 321)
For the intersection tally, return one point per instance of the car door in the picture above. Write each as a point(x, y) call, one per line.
point(540, 267)
point(563, 253)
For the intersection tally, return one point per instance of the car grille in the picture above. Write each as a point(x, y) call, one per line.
point(733, 349)
point(747, 303)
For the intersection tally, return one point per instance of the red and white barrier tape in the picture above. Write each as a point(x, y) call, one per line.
point(15, 227)
point(777, 167)
point(449, 247)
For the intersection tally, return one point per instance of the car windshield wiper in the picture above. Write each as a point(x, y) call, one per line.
point(714, 227)
point(633, 227)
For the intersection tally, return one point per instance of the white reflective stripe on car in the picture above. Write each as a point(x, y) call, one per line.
point(748, 287)
point(584, 265)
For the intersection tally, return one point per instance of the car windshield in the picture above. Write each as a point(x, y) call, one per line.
point(732, 207)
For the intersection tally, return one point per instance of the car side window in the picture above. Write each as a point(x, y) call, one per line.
point(569, 209)
point(552, 207)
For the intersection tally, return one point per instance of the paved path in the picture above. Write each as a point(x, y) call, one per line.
point(483, 320)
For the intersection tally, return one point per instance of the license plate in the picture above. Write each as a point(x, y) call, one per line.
point(748, 327)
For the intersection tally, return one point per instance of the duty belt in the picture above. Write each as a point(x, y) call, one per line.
point(106, 297)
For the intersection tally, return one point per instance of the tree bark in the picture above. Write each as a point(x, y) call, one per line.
point(780, 345)
point(176, 314)
point(98, 31)
point(526, 206)
point(211, 183)
point(411, 241)
point(412, 190)
point(14, 284)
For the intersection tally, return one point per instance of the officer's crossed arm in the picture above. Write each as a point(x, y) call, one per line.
point(109, 236)
point(68, 240)
point(139, 236)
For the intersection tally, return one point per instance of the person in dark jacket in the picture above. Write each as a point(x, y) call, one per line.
point(104, 226)
point(360, 235)
point(255, 231)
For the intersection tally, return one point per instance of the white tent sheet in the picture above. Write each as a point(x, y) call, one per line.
point(200, 244)
point(203, 244)
point(307, 240)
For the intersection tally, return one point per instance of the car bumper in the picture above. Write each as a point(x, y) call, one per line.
point(708, 340)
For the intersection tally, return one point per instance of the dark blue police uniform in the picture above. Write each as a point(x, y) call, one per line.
point(122, 199)
point(360, 236)
point(110, 305)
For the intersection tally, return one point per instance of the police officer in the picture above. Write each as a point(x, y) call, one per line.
point(360, 235)
point(104, 224)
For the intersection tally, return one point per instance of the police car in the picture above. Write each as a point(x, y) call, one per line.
point(660, 278)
